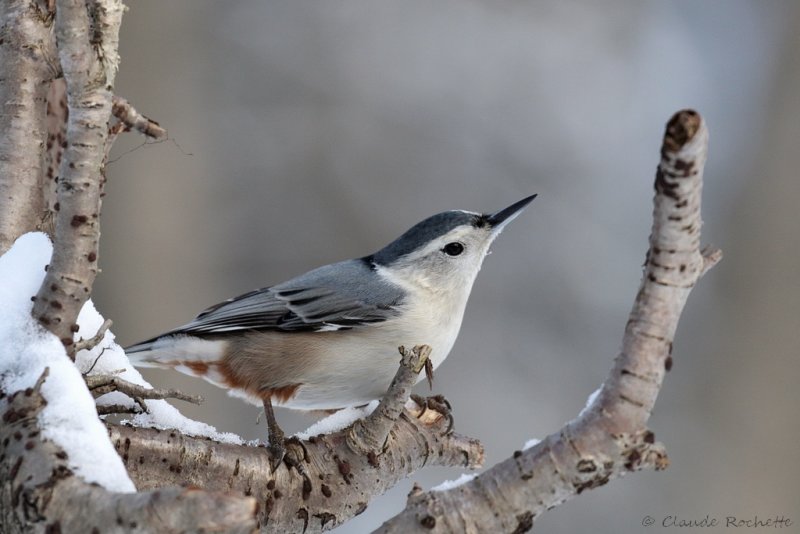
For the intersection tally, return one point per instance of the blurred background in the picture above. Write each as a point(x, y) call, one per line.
point(304, 133)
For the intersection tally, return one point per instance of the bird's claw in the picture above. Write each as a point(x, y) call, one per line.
point(277, 450)
point(290, 451)
point(437, 403)
point(296, 453)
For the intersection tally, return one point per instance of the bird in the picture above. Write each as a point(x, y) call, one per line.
point(328, 339)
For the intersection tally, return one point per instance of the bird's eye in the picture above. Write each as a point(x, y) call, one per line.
point(453, 249)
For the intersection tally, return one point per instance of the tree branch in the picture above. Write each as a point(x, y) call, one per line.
point(27, 58)
point(133, 120)
point(87, 37)
point(42, 490)
point(369, 435)
point(610, 438)
point(56, 122)
point(337, 483)
point(99, 385)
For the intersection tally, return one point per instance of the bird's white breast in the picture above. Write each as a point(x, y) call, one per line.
point(357, 366)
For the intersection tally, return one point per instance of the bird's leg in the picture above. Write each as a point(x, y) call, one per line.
point(276, 435)
point(290, 450)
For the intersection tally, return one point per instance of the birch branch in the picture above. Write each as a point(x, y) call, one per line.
point(27, 58)
point(610, 438)
point(56, 121)
point(99, 385)
point(336, 483)
point(133, 120)
point(41, 493)
point(369, 435)
point(87, 37)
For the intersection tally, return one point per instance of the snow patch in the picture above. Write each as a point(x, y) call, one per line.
point(107, 357)
point(531, 443)
point(69, 419)
point(590, 400)
point(450, 484)
point(337, 421)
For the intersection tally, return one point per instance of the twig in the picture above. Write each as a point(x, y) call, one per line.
point(92, 342)
point(101, 384)
point(133, 120)
point(94, 363)
point(369, 434)
point(109, 409)
point(37, 387)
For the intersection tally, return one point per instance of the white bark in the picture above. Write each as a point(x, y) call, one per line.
point(87, 37)
point(26, 53)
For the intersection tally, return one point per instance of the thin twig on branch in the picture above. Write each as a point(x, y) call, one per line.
point(610, 438)
point(133, 120)
point(101, 384)
point(92, 342)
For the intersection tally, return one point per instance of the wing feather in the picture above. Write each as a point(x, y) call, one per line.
point(338, 296)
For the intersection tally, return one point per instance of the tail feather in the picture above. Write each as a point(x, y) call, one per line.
point(173, 350)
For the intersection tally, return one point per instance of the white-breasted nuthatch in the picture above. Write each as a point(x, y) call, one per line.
point(328, 338)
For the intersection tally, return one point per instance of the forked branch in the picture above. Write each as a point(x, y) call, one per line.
point(611, 437)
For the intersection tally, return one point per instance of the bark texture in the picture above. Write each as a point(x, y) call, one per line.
point(332, 484)
point(611, 437)
point(26, 55)
point(87, 36)
point(40, 493)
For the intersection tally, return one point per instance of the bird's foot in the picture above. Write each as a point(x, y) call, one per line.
point(296, 453)
point(438, 404)
point(290, 451)
point(277, 451)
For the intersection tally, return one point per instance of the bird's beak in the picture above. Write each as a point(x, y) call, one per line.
point(500, 219)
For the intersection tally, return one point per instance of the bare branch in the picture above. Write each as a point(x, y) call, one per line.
point(610, 438)
point(101, 384)
point(26, 56)
point(92, 342)
point(370, 434)
point(333, 481)
point(110, 409)
point(339, 484)
point(133, 120)
point(87, 37)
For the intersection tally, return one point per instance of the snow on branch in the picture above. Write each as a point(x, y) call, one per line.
point(28, 351)
point(610, 437)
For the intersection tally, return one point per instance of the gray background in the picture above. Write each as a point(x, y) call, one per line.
point(309, 132)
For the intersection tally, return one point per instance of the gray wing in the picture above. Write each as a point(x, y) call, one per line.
point(333, 297)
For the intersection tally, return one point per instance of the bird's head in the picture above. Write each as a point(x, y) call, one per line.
point(444, 252)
